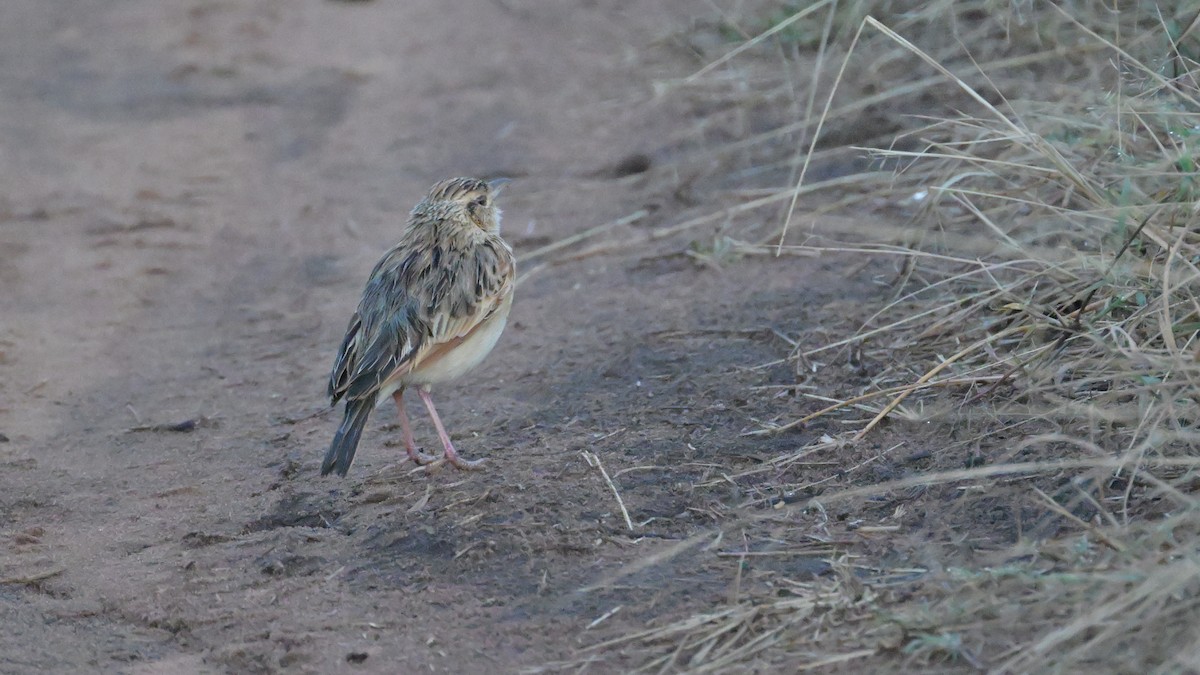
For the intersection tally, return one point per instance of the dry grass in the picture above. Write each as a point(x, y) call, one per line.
point(1043, 339)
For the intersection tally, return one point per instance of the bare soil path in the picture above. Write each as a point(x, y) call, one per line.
point(193, 193)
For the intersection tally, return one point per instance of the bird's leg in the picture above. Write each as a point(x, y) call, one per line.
point(414, 454)
point(451, 454)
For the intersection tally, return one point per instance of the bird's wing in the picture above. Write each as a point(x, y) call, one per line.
point(384, 334)
point(346, 361)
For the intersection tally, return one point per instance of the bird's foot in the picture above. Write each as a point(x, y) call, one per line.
point(440, 463)
point(421, 459)
point(453, 459)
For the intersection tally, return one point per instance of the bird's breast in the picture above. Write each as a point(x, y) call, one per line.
point(454, 360)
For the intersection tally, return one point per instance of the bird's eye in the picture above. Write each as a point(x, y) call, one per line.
point(480, 201)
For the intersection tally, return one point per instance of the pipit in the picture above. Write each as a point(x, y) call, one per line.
point(433, 308)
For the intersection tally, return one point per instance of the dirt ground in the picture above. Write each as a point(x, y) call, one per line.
point(193, 193)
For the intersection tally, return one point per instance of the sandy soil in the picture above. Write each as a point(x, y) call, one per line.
point(194, 191)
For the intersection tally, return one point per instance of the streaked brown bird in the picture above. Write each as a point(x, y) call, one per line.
point(433, 308)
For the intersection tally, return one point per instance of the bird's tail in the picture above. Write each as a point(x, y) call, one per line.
point(345, 441)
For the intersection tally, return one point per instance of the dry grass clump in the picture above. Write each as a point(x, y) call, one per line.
point(1088, 312)
point(1046, 328)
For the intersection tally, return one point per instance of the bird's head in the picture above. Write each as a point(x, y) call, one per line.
point(469, 200)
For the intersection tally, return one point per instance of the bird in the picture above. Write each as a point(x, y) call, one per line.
point(434, 306)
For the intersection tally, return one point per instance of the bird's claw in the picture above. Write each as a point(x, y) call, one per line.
point(465, 464)
point(421, 459)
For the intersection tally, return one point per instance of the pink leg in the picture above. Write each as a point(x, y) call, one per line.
point(451, 455)
point(415, 455)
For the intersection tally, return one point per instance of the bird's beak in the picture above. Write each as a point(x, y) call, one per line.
point(497, 184)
